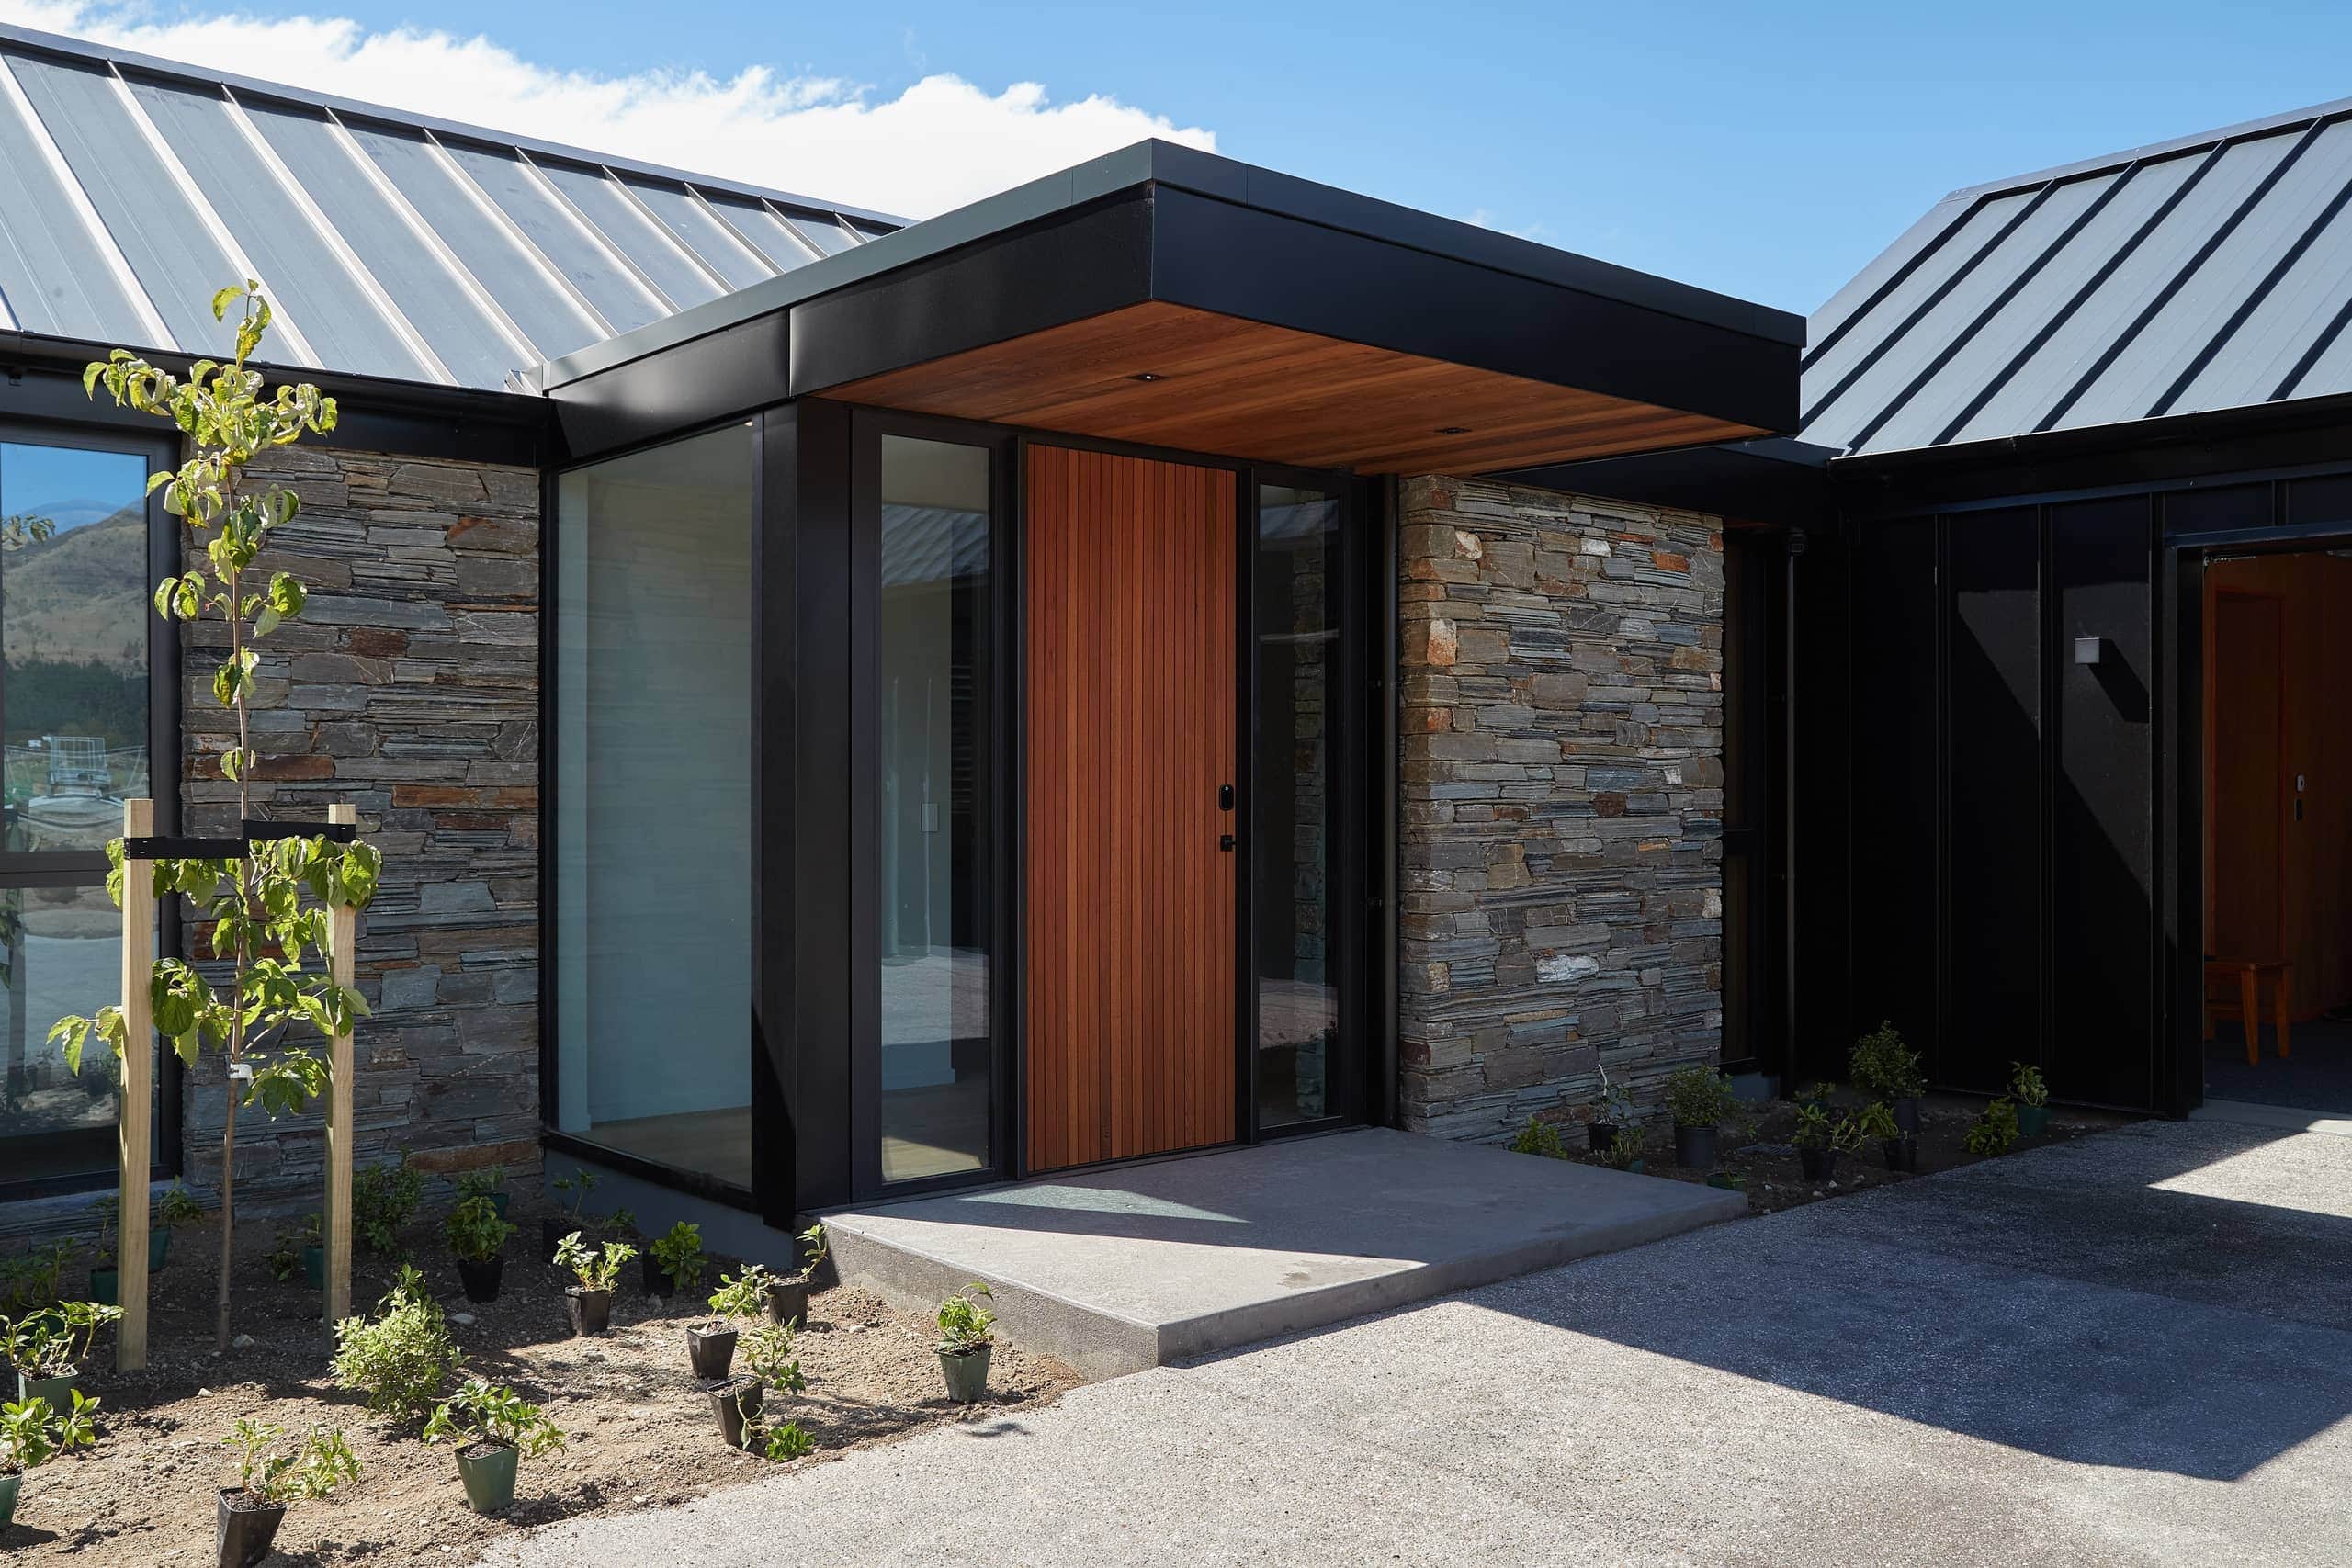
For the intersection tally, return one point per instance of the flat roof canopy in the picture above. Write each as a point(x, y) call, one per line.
point(1170, 298)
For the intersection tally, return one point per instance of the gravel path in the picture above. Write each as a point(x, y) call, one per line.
point(2135, 1348)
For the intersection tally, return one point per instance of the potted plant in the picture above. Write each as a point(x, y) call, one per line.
point(2032, 1097)
point(1624, 1152)
point(1728, 1180)
point(589, 1303)
point(477, 1236)
point(1821, 1136)
point(1537, 1138)
point(496, 1429)
point(491, 1183)
point(1699, 1097)
point(770, 1367)
point(1995, 1129)
point(710, 1344)
point(1900, 1149)
point(571, 1211)
point(404, 1358)
point(672, 1261)
point(246, 1517)
point(299, 1251)
point(172, 1208)
point(1886, 1069)
point(48, 1346)
point(789, 1294)
point(1613, 1110)
point(35, 1276)
point(31, 1434)
point(964, 1343)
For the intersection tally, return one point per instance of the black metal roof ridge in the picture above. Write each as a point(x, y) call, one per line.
point(1157, 163)
point(383, 114)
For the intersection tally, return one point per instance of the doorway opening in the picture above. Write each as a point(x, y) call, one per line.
point(2277, 1022)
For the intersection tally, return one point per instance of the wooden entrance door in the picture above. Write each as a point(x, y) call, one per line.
point(1129, 579)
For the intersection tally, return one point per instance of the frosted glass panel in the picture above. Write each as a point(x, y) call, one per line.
point(653, 804)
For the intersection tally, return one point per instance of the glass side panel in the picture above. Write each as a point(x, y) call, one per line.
point(627, 230)
point(443, 313)
point(822, 229)
point(931, 728)
point(72, 644)
point(602, 280)
point(507, 273)
point(60, 951)
point(1296, 582)
point(757, 224)
point(652, 734)
point(304, 277)
point(171, 254)
point(691, 223)
point(52, 274)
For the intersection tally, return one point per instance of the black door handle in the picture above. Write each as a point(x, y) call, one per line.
point(1225, 798)
point(1225, 843)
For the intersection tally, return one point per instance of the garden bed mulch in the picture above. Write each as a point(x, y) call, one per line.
point(1760, 1151)
point(642, 1436)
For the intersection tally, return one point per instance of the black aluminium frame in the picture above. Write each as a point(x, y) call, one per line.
point(66, 869)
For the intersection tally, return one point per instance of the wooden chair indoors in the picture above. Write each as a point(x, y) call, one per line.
point(2249, 974)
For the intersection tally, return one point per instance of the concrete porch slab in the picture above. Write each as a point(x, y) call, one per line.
point(1115, 1271)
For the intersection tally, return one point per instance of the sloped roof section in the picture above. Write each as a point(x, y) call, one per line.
point(2212, 272)
point(132, 189)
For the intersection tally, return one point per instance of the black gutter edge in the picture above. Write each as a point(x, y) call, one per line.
point(1774, 479)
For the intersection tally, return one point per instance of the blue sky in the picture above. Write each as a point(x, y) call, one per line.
point(1767, 151)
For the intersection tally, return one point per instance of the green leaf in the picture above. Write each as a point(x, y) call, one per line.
point(220, 301)
point(90, 374)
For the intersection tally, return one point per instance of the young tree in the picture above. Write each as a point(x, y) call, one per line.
point(253, 903)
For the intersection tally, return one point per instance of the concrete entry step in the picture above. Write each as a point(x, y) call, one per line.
point(1114, 1271)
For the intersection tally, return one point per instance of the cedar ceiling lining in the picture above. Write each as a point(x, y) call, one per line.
point(1241, 389)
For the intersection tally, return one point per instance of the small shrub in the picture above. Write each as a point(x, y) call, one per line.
point(482, 1412)
point(1817, 1128)
point(768, 1357)
point(1538, 1138)
point(284, 1260)
point(742, 1295)
point(1876, 1119)
point(476, 1233)
point(964, 1322)
point(53, 1341)
point(2027, 1085)
point(595, 1272)
point(176, 1208)
point(402, 1360)
point(315, 1466)
point(680, 1254)
point(1626, 1148)
point(383, 1200)
point(32, 1432)
point(1995, 1132)
point(35, 1276)
point(1885, 1067)
point(1615, 1108)
point(486, 1183)
point(1698, 1096)
point(814, 1239)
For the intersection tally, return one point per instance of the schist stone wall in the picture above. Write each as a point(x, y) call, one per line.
point(409, 687)
point(1562, 799)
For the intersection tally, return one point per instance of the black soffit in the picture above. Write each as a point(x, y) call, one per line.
point(1160, 222)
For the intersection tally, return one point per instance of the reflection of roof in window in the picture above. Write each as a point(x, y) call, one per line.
point(932, 544)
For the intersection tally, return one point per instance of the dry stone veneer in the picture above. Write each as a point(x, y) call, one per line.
point(1562, 801)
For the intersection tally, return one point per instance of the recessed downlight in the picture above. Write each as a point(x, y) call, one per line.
point(1453, 430)
point(1146, 376)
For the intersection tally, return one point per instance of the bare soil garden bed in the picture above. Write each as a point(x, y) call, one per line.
point(642, 1434)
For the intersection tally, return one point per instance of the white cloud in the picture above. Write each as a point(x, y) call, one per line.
point(940, 143)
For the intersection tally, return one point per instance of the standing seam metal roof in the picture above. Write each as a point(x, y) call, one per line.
point(389, 245)
point(2207, 273)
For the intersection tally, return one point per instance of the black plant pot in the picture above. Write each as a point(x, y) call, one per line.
point(480, 1280)
point(789, 1301)
point(1902, 1153)
point(243, 1528)
point(1598, 1136)
point(711, 1355)
point(1818, 1164)
point(591, 1311)
point(732, 1400)
point(1695, 1146)
point(1907, 1112)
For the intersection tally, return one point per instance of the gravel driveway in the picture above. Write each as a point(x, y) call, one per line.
point(2131, 1348)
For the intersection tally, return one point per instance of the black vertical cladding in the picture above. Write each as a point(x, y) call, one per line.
point(1891, 786)
point(1994, 1007)
point(1825, 786)
point(2180, 1049)
point(2102, 841)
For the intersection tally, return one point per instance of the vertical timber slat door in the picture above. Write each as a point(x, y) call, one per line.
point(1131, 686)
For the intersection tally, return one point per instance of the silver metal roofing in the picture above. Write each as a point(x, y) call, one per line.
point(2208, 272)
point(389, 245)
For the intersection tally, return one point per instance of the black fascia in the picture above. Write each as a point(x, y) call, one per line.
point(41, 378)
point(1773, 480)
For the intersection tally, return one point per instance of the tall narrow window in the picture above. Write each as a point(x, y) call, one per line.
point(652, 746)
point(73, 712)
point(930, 725)
point(1296, 588)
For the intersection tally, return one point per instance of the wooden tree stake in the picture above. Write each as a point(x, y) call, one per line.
point(342, 962)
point(138, 1092)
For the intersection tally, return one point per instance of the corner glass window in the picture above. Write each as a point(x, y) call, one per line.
point(931, 638)
point(652, 746)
